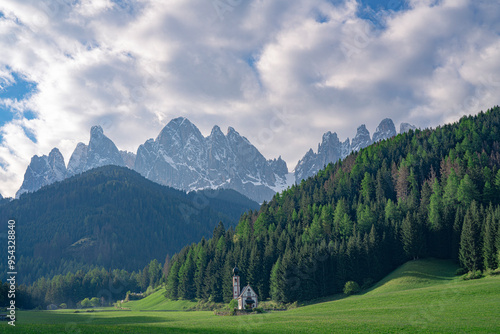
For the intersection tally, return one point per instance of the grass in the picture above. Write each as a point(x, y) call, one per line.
point(415, 275)
point(420, 297)
point(157, 302)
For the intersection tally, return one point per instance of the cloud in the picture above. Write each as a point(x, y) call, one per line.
point(281, 72)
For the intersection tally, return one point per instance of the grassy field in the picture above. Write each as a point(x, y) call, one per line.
point(157, 302)
point(419, 297)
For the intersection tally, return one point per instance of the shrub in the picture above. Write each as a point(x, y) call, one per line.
point(233, 304)
point(351, 287)
point(149, 291)
point(95, 302)
point(472, 275)
point(86, 303)
point(461, 271)
point(63, 306)
point(258, 310)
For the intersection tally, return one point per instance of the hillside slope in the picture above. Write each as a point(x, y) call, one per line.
point(452, 307)
point(430, 193)
point(416, 275)
point(112, 217)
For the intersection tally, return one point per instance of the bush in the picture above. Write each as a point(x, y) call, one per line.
point(351, 287)
point(258, 310)
point(233, 304)
point(461, 271)
point(472, 275)
point(149, 291)
point(95, 302)
point(86, 303)
point(63, 306)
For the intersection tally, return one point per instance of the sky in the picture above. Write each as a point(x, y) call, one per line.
point(280, 72)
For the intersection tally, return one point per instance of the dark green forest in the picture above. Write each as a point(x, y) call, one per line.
point(71, 289)
point(111, 218)
point(425, 193)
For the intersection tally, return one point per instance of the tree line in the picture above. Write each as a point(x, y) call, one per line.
point(75, 289)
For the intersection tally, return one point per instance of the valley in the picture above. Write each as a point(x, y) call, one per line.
point(421, 296)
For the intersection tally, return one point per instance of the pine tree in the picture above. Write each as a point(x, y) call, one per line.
point(435, 207)
point(172, 280)
point(276, 284)
point(489, 249)
point(467, 191)
point(402, 184)
point(470, 251)
point(412, 237)
point(367, 188)
point(451, 188)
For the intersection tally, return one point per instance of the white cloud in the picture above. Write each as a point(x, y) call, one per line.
point(267, 68)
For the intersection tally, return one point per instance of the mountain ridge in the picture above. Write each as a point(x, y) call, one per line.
point(181, 157)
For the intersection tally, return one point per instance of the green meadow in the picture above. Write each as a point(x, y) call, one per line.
point(419, 297)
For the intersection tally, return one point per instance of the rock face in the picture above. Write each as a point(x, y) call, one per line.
point(361, 140)
point(78, 160)
point(101, 151)
point(332, 149)
point(43, 171)
point(182, 158)
point(405, 127)
point(128, 159)
point(385, 130)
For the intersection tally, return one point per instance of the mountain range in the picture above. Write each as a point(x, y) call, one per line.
point(331, 149)
point(181, 157)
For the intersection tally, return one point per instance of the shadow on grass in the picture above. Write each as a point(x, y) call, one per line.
point(105, 329)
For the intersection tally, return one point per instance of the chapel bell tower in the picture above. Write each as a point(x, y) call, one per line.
point(236, 283)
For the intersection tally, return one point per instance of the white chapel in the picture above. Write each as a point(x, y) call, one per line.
point(247, 298)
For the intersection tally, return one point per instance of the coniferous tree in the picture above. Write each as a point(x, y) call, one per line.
point(276, 289)
point(412, 237)
point(172, 281)
point(489, 236)
point(467, 191)
point(470, 251)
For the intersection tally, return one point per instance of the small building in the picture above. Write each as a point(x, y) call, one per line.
point(247, 298)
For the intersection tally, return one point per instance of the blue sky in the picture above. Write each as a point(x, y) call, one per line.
point(280, 72)
point(18, 89)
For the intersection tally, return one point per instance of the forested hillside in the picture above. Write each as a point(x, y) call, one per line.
point(429, 193)
point(111, 217)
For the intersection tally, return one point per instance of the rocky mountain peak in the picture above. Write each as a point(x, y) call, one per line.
point(182, 158)
point(385, 130)
point(362, 139)
point(216, 132)
point(43, 171)
point(331, 149)
point(100, 151)
point(405, 127)
point(96, 131)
